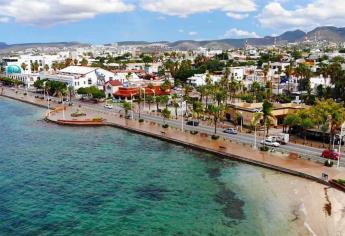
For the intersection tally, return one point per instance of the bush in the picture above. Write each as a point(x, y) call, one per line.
point(165, 126)
point(97, 119)
point(141, 120)
point(215, 137)
point(194, 132)
point(341, 181)
point(264, 149)
point(329, 163)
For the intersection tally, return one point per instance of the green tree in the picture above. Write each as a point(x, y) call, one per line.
point(84, 62)
point(217, 113)
point(267, 108)
point(127, 107)
point(166, 114)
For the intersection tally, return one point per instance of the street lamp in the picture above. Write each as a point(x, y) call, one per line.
point(45, 90)
point(241, 120)
point(132, 106)
point(144, 97)
point(182, 118)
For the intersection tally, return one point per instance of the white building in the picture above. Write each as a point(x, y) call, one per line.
point(237, 73)
point(81, 76)
point(111, 87)
point(200, 79)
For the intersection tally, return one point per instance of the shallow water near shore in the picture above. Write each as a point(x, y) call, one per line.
point(103, 181)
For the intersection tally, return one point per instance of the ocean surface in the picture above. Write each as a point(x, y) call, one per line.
point(104, 181)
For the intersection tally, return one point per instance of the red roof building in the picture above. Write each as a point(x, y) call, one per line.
point(125, 92)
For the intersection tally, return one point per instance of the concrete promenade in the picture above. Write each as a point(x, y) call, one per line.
point(223, 148)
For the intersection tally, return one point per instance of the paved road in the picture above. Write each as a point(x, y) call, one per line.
point(305, 151)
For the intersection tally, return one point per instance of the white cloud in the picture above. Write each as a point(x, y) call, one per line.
point(184, 8)
point(4, 19)
point(181, 31)
point(308, 16)
point(237, 33)
point(237, 16)
point(48, 12)
point(192, 33)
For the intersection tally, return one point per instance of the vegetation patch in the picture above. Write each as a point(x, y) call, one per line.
point(194, 132)
point(329, 163)
point(341, 182)
point(264, 149)
point(215, 137)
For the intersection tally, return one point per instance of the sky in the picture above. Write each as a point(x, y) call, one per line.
point(107, 21)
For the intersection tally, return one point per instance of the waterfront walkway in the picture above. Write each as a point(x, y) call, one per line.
point(223, 147)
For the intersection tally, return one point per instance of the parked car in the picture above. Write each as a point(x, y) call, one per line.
point(280, 138)
point(193, 123)
point(330, 154)
point(270, 142)
point(230, 131)
point(108, 106)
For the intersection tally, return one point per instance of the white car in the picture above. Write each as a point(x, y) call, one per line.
point(108, 106)
point(269, 142)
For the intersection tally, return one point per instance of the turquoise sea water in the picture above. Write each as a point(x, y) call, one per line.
point(103, 181)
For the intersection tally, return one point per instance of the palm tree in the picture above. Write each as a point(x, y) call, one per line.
point(175, 103)
point(165, 100)
point(288, 72)
point(267, 116)
point(266, 69)
point(158, 101)
point(139, 100)
point(70, 91)
point(217, 113)
point(127, 107)
point(186, 96)
point(24, 66)
point(198, 108)
point(220, 95)
point(46, 67)
point(255, 121)
point(84, 62)
point(166, 114)
point(150, 100)
point(233, 88)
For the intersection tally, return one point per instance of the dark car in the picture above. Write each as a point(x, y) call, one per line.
point(192, 123)
point(330, 154)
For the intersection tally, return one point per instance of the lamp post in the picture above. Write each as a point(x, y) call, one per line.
point(255, 136)
point(182, 118)
point(45, 90)
point(132, 106)
point(241, 120)
point(342, 134)
point(63, 110)
point(154, 96)
point(144, 98)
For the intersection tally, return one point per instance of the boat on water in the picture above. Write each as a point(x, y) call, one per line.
point(86, 122)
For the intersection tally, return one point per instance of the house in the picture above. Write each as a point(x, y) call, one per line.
point(81, 76)
point(111, 87)
point(248, 110)
point(200, 79)
point(127, 93)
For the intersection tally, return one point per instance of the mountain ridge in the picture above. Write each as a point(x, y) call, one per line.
point(328, 33)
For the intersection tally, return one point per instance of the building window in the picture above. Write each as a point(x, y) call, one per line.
point(75, 83)
point(89, 81)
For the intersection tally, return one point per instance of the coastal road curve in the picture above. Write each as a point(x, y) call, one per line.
point(305, 151)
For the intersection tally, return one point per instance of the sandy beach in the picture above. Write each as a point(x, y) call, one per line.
point(307, 207)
